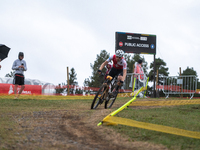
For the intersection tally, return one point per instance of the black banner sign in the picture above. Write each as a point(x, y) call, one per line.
point(135, 43)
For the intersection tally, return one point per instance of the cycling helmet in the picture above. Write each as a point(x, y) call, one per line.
point(140, 61)
point(119, 53)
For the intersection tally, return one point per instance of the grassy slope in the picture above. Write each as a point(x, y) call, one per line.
point(184, 117)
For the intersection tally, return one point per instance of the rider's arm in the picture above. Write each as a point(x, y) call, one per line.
point(103, 65)
point(106, 62)
point(124, 74)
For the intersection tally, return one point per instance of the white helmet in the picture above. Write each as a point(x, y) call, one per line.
point(119, 53)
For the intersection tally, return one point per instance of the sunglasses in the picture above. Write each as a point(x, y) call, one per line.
point(119, 57)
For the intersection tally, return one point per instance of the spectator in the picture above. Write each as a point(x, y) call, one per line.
point(19, 66)
point(139, 75)
point(108, 67)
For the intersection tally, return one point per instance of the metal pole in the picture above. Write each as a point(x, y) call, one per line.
point(133, 77)
point(154, 72)
point(67, 81)
point(181, 84)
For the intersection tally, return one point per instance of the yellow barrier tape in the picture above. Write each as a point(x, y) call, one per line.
point(134, 85)
point(165, 103)
point(111, 120)
point(122, 107)
point(124, 94)
point(138, 91)
point(126, 104)
point(155, 127)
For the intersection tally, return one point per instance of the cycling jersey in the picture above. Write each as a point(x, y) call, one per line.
point(118, 65)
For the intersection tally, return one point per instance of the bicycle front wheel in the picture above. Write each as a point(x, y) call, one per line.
point(99, 97)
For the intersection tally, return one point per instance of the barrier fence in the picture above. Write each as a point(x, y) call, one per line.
point(8, 89)
point(111, 119)
point(171, 85)
point(179, 85)
point(30, 89)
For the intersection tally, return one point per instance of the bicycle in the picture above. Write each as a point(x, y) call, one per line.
point(107, 93)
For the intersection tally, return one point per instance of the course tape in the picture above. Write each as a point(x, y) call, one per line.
point(122, 107)
point(166, 129)
point(165, 103)
point(111, 120)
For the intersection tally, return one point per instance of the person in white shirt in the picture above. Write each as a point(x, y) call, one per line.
point(19, 66)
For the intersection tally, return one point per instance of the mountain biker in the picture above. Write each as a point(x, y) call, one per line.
point(119, 66)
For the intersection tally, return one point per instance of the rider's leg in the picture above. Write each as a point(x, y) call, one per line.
point(119, 84)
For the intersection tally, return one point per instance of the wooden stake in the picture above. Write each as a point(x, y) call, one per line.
point(156, 80)
point(67, 81)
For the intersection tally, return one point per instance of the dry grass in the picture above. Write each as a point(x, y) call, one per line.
point(56, 123)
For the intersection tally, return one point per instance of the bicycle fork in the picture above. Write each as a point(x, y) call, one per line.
point(104, 95)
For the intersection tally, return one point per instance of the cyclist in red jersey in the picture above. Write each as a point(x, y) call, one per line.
point(119, 66)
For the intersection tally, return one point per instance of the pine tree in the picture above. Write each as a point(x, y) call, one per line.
point(162, 70)
point(72, 77)
point(86, 82)
point(95, 80)
point(11, 74)
point(189, 71)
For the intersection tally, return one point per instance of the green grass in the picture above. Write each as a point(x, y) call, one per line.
point(27, 105)
point(184, 117)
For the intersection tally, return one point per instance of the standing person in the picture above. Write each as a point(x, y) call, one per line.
point(0, 65)
point(19, 66)
point(139, 75)
point(119, 66)
point(108, 67)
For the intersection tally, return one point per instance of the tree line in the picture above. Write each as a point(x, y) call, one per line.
point(95, 81)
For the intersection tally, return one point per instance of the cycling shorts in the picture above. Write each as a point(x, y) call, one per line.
point(115, 72)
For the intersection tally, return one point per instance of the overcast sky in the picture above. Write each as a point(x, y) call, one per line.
point(54, 34)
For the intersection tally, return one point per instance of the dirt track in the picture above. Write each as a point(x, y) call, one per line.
point(71, 130)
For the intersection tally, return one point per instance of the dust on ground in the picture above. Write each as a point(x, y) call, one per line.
point(71, 130)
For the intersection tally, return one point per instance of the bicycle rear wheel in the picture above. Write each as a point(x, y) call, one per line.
point(111, 100)
point(99, 97)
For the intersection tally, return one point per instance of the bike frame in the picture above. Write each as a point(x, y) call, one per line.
point(104, 94)
point(109, 82)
